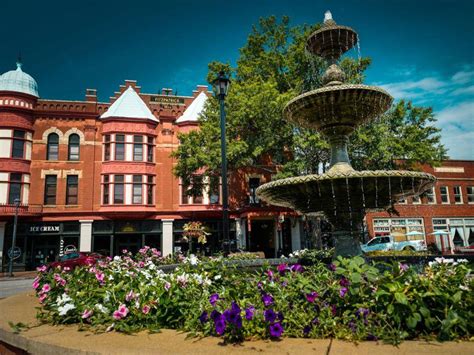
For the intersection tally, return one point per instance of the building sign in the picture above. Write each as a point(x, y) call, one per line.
point(449, 169)
point(167, 100)
point(14, 253)
point(44, 229)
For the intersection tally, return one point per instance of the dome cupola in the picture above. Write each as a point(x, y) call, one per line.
point(18, 81)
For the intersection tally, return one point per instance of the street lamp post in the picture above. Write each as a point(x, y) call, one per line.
point(15, 221)
point(221, 85)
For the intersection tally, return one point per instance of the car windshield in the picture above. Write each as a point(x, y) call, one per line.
point(374, 241)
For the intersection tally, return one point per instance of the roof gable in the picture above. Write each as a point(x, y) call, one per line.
point(129, 105)
point(192, 113)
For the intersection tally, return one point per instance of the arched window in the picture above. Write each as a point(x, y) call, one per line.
point(73, 147)
point(53, 147)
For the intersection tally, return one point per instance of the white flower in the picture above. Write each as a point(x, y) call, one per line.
point(101, 308)
point(107, 296)
point(217, 277)
point(64, 309)
point(462, 261)
point(192, 259)
point(464, 288)
point(64, 298)
point(116, 258)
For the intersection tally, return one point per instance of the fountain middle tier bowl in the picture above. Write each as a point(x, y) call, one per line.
point(340, 106)
point(345, 193)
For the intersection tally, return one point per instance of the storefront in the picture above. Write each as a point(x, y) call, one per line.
point(41, 242)
point(112, 237)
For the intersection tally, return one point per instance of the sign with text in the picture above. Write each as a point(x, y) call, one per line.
point(14, 253)
point(167, 100)
point(44, 229)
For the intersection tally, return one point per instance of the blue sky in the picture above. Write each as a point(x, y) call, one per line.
point(422, 50)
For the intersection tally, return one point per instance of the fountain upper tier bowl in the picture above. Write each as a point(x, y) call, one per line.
point(331, 40)
point(345, 105)
point(341, 192)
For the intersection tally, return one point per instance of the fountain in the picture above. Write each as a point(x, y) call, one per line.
point(342, 194)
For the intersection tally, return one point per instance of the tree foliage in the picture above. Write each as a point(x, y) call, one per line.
point(274, 67)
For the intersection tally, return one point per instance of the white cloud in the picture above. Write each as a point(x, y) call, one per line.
point(452, 99)
point(457, 123)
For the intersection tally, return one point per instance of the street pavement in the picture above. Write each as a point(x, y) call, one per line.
point(10, 287)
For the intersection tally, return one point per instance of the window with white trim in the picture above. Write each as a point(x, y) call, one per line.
point(457, 194)
point(443, 190)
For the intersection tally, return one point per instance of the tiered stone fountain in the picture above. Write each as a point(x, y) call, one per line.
point(342, 194)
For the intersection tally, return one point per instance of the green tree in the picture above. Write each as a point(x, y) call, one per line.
point(274, 67)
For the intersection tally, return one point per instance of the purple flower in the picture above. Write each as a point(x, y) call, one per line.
point(235, 307)
point(307, 329)
point(276, 329)
point(343, 291)
point(315, 320)
point(213, 299)
point(282, 268)
point(249, 312)
point(333, 309)
point(270, 274)
point(344, 282)
point(311, 297)
point(238, 322)
point(332, 267)
point(284, 284)
point(267, 299)
point(280, 316)
point(215, 315)
point(259, 285)
point(352, 326)
point(220, 325)
point(403, 267)
point(362, 312)
point(203, 317)
point(270, 315)
point(297, 268)
point(371, 337)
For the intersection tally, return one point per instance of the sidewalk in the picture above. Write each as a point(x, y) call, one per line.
point(18, 275)
point(46, 339)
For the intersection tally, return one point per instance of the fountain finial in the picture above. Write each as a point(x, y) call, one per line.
point(327, 16)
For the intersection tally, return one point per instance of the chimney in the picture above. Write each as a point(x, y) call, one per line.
point(91, 95)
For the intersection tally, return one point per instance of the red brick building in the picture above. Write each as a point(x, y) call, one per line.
point(98, 176)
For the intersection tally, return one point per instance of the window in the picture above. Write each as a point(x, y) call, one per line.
point(73, 147)
point(118, 189)
point(18, 144)
point(430, 196)
point(15, 188)
point(457, 194)
point(107, 147)
point(402, 200)
point(106, 186)
point(138, 148)
point(52, 152)
point(72, 183)
point(214, 188)
point(137, 189)
point(150, 149)
point(197, 189)
point(119, 147)
point(416, 200)
point(184, 194)
point(149, 191)
point(444, 194)
point(50, 190)
point(253, 184)
point(470, 194)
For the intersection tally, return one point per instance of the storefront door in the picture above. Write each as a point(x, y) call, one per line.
point(262, 237)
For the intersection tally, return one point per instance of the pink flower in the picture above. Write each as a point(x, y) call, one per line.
point(67, 268)
point(35, 284)
point(311, 297)
point(100, 277)
point(117, 315)
point(130, 296)
point(167, 286)
point(43, 297)
point(42, 268)
point(124, 251)
point(146, 309)
point(86, 314)
point(46, 288)
point(141, 264)
point(282, 268)
point(155, 252)
point(59, 280)
point(121, 312)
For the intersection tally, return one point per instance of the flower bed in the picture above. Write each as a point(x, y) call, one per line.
point(347, 299)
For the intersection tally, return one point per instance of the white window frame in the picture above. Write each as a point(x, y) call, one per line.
point(447, 194)
point(433, 192)
point(460, 194)
point(467, 194)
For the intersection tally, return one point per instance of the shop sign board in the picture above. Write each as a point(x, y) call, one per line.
point(14, 253)
point(44, 228)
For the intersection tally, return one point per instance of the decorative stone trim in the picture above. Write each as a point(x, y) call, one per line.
point(45, 172)
point(72, 172)
point(53, 130)
point(74, 130)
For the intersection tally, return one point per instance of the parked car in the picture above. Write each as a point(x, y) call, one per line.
point(385, 243)
point(75, 258)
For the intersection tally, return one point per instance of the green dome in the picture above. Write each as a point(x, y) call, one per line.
point(18, 81)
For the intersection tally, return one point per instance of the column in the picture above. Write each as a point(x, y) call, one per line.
point(2, 241)
point(240, 233)
point(167, 247)
point(295, 234)
point(85, 239)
